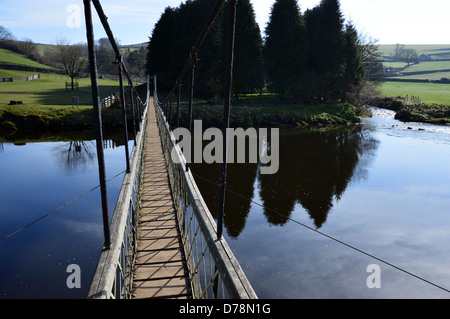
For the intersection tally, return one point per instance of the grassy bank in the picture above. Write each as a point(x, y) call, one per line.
point(433, 114)
point(51, 118)
point(409, 111)
point(268, 111)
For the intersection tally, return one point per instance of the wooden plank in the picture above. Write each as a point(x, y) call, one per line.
point(160, 270)
point(171, 287)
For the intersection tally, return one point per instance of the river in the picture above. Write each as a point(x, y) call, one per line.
point(51, 211)
point(344, 207)
point(343, 202)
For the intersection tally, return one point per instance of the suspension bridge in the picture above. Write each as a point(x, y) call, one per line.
point(162, 241)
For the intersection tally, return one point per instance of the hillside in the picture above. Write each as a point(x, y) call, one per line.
point(433, 64)
point(42, 48)
point(425, 82)
point(11, 57)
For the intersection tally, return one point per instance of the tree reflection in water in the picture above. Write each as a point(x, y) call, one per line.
point(75, 155)
point(315, 170)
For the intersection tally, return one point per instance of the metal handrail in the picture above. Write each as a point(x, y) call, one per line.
point(113, 276)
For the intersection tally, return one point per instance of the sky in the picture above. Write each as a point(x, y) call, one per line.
point(132, 21)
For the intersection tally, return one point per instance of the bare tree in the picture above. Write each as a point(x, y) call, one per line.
point(371, 58)
point(409, 56)
point(136, 62)
point(5, 34)
point(71, 58)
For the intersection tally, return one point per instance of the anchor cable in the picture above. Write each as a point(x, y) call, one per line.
point(57, 209)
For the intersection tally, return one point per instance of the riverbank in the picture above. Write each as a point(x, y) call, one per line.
point(25, 118)
point(412, 111)
point(268, 111)
point(22, 117)
point(326, 114)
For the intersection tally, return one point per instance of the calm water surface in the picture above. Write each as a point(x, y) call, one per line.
point(36, 179)
point(383, 189)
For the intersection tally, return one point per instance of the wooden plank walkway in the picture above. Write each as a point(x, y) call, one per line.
point(160, 269)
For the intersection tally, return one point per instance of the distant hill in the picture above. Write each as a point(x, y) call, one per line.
point(11, 57)
point(44, 47)
point(134, 46)
point(435, 51)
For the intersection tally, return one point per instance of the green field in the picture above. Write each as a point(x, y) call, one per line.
point(428, 93)
point(434, 70)
point(49, 90)
point(47, 105)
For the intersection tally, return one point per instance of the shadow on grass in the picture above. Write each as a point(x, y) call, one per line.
point(64, 97)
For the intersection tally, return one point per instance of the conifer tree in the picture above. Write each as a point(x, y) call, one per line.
point(285, 47)
point(159, 48)
point(354, 72)
point(177, 31)
point(248, 73)
point(326, 58)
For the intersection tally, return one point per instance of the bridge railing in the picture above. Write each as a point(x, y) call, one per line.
point(214, 272)
point(113, 276)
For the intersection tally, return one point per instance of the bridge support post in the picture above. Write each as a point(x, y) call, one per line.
point(98, 122)
point(133, 112)
point(124, 112)
point(226, 116)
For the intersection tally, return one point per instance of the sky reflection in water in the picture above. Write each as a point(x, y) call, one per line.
point(37, 179)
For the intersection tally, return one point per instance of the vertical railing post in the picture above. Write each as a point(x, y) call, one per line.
point(170, 111)
point(191, 98)
point(124, 112)
point(98, 121)
point(178, 104)
point(133, 112)
point(226, 116)
point(139, 108)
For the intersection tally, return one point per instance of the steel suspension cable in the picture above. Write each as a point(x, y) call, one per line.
point(57, 209)
point(214, 13)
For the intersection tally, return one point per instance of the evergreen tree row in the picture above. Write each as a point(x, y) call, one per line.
point(315, 56)
point(177, 31)
point(306, 57)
